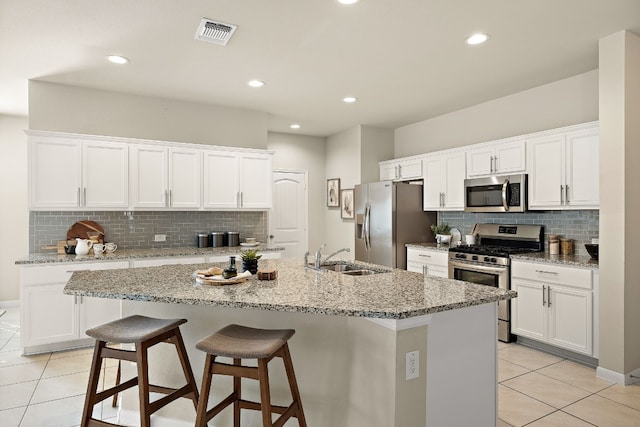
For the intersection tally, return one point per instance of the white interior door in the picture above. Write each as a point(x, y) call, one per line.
point(288, 218)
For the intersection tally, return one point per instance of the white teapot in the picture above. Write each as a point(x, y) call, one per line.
point(83, 246)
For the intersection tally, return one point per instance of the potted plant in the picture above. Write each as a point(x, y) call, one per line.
point(250, 259)
point(442, 232)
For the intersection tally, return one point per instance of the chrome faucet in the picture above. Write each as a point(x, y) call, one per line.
point(334, 254)
point(318, 257)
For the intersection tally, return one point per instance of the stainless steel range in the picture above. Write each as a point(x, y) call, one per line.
point(488, 262)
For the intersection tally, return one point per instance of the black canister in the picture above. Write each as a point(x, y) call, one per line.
point(202, 240)
point(233, 238)
point(216, 239)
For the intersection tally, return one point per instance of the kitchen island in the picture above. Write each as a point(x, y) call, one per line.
point(350, 349)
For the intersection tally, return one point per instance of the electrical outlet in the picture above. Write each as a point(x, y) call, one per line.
point(160, 238)
point(412, 365)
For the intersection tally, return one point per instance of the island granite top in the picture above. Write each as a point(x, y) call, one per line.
point(126, 254)
point(396, 294)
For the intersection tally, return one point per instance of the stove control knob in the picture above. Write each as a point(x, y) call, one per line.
point(494, 260)
point(487, 259)
point(474, 258)
point(461, 256)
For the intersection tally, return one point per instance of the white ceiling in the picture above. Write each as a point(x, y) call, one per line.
point(405, 60)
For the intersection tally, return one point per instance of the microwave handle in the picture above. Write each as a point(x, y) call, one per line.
point(505, 202)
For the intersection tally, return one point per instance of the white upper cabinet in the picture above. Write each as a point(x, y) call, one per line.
point(166, 177)
point(401, 169)
point(234, 180)
point(564, 169)
point(74, 173)
point(496, 158)
point(444, 175)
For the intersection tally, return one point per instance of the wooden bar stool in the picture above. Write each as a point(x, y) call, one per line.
point(241, 342)
point(144, 332)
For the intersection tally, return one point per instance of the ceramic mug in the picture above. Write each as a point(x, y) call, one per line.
point(99, 248)
point(110, 247)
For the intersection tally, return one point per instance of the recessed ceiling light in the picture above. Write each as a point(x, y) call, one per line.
point(255, 83)
point(117, 59)
point(347, 1)
point(477, 39)
point(295, 126)
point(349, 99)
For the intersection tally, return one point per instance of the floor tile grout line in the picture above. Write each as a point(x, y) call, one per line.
point(615, 401)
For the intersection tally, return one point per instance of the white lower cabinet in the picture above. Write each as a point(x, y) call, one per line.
point(51, 320)
point(554, 305)
point(431, 262)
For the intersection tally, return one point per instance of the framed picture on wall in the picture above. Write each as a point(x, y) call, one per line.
point(346, 203)
point(333, 192)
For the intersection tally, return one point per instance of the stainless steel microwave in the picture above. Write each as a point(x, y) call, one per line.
point(504, 193)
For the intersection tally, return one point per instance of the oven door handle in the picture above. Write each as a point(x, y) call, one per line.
point(477, 267)
point(505, 187)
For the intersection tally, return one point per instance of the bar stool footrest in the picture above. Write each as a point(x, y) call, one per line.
point(105, 394)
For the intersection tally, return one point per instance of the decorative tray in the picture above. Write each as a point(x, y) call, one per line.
point(218, 280)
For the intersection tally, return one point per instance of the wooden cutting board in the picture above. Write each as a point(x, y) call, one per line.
point(80, 229)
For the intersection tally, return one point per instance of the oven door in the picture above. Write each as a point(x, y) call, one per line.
point(496, 276)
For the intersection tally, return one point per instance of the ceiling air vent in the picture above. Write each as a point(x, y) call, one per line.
point(215, 32)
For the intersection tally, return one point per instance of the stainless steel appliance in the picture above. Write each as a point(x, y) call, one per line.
point(504, 193)
point(489, 263)
point(389, 215)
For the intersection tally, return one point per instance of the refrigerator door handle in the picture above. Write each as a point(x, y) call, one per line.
point(367, 218)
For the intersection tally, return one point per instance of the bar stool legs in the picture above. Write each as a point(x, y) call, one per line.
point(237, 342)
point(144, 332)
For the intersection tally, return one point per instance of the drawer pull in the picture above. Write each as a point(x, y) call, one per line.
point(425, 255)
point(547, 272)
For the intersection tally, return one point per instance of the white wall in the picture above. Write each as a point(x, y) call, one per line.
point(565, 102)
point(301, 152)
point(620, 203)
point(376, 145)
point(342, 161)
point(14, 214)
point(63, 108)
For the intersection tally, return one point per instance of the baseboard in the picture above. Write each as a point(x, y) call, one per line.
point(560, 352)
point(629, 378)
point(10, 303)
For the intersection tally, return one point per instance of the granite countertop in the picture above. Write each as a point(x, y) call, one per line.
point(397, 294)
point(569, 260)
point(541, 257)
point(434, 246)
point(127, 254)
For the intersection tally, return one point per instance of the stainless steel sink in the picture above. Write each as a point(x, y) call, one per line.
point(351, 269)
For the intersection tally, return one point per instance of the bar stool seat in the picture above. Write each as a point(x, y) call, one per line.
point(242, 342)
point(144, 332)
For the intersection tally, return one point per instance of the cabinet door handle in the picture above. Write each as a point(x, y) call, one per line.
point(566, 193)
point(165, 198)
point(78, 197)
point(398, 171)
point(75, 300)
point(548, 296)
point(425, 255)
point(170, 198)
point(444, 203)
point(562, 194)
point(241, 199)
point(544, 301)
point(555, 273)
point(84, 203)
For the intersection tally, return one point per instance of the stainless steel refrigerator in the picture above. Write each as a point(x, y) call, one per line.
point(389, 215)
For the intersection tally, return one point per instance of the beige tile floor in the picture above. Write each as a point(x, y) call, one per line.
point(535, 389)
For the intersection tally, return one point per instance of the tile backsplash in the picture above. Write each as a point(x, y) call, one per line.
point(580, 225)
point(136, 229)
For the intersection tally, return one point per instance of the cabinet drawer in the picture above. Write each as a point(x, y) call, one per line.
point(428, 257)
point(62, 272)
point(552, 273)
